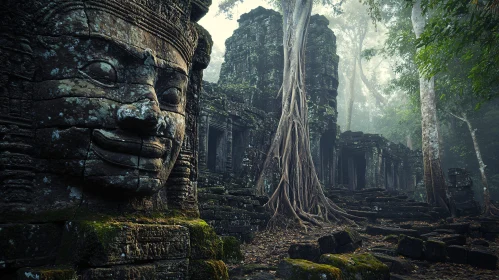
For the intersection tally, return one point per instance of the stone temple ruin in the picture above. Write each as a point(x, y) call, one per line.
point(240, 112)
point(113, 147)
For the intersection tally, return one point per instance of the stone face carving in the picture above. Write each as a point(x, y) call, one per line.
point(94, 90)
point(109, 89)
point(99, 102)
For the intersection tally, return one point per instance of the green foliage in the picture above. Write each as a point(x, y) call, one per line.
point(466, 32)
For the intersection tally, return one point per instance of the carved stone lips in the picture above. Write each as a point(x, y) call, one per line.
point(128, 150)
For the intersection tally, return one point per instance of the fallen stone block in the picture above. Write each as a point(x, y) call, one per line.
point(346, 236)
point(395, 264)
point(357, 266)
point(296, 269)
point(457, 254)
point(306, 251)
point(435, 251)
point(327, 244)
point(482, 259)
point(410, 247)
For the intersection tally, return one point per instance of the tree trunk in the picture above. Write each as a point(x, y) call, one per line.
point(351, 97)
point(409, 141)
point(299, 194)
point(489, 208)
point(434, 181)
point(380, 99)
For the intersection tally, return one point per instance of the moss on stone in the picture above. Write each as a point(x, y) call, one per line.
point(231, 252)
point(297, 269)
point(105, 231)
point(357, 266)
point(205, 244)
point(208, 270)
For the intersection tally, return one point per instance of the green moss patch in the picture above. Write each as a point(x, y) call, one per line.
point(297, 269)
point(231, 252)
point(208, 270)
point(205, 244)
point(357, 266)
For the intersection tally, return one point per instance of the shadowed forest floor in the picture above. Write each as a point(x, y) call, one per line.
point(268, 248)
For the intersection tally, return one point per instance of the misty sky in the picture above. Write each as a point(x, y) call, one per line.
point(221, 28)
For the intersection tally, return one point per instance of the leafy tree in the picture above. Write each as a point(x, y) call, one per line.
point(467, 31)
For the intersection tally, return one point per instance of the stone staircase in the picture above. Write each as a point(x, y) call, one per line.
point(378, 203)
point(231, 209)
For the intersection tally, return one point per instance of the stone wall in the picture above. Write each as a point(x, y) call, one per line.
point(368, 161)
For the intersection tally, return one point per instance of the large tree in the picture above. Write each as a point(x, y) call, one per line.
point(298, 194)
point(434, 181)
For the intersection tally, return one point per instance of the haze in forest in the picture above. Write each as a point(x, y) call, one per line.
point(382, 97)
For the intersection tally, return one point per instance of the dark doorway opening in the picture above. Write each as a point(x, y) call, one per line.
point(214, 142)
point(238, 145)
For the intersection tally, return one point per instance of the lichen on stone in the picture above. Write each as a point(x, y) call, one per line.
point(298, 269)
point(357, 266)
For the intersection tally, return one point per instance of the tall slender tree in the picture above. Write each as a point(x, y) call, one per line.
point(434, 181)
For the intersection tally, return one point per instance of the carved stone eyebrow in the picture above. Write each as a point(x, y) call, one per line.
point(140, 53)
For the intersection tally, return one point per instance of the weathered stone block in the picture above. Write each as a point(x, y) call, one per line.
point(296, 269)
point(98, 243)
point(306, 251)
point(347, 236)
point(395, 264)
point(168, 270)
point(435, 251)
point(482, 259)
point(327, 244)
point(357, 266)
point(457, 254)
point(410, 247)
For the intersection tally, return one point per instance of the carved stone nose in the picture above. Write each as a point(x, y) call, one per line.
point(141, 117)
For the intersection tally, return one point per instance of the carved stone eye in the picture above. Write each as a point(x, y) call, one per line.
point(170, 97)
point(102, 72)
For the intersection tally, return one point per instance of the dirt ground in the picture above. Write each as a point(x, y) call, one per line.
point(269, 247)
